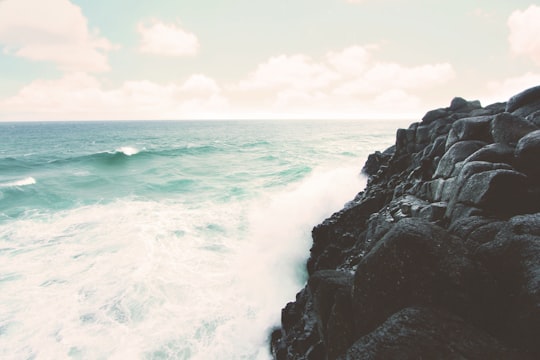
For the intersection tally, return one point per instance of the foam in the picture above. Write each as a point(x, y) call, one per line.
point(19, 183)
point(128, 150)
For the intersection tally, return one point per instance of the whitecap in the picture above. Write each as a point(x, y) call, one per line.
point(128, 150)
point(18, 183)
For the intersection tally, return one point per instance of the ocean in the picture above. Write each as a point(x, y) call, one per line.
point(164, 239)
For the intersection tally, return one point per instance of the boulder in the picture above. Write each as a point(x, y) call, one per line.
point(416, 262)
point(494, 153)
point(524, 98)
point(332, 302)
point(527, 154)
point(508, 129)
point(514, 260)
point(458, 152)
point(476, 128)
point(429, 333)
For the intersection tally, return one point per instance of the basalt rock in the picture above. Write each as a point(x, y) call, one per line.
point(439, 256)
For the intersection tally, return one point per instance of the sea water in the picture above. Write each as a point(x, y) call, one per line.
point(164, 240)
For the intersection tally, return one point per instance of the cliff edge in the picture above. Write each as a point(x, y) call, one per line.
point(439, 256)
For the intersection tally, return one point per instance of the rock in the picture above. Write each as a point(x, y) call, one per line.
point(416, 262)
point(527, 154)
point(494, 153)
point(476, 128)
point(508, 129)
point(442, 246)
point(458, 152)
point(514, 259)
point(332, 302)
point(428, 333)
point(434, 115)
point(526, 97)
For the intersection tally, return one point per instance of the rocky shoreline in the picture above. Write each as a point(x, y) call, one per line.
point(439, 257)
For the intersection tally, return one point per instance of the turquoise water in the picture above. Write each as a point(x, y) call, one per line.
point(164, 240)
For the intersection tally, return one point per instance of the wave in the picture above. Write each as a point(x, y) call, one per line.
point(127, 150)
point(19, 183)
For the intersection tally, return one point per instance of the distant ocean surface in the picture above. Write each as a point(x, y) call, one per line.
point(164, 240)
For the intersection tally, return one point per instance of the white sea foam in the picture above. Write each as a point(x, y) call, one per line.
point(128, 150)
point(136, 279)
point(19, 183)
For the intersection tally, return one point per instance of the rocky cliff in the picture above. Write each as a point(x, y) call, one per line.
point(439, 257)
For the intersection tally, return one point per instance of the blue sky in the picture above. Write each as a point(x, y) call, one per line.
point(168, 59)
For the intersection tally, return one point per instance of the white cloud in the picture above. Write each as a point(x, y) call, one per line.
point(383, 76)
point(167, 39)
point(352, 60)
point(53, 31)
point(524, 35)
point(290, 72)
point(351, 80)
point(502, 90)
point(79, 96)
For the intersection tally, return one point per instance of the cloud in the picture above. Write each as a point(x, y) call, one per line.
point(350, 80)
point(291, 72)
point(158, 38)
point(78, 96)
point(524, 35)
point(502, 90)
point(52, 31)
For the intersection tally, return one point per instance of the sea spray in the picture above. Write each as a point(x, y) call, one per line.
point(185, 250)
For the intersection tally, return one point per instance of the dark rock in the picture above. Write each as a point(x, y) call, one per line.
point(374, 162)
point(406, 242)
point(514, 259)
point(332, 302)
point(494, 153)
point(508, 129)
point(429, 333)
point(458, 152)
point(476, 128)
point(526, 97)
point(528, 154)
point(434, 115)
point(416, 262)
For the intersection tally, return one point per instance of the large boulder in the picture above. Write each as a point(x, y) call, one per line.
point(475, 128)
point(429, 333)
point(513, 257)
point(457, 152)
point(416, 262)
point(508, 129)
point(527, 154)
point(525, 98)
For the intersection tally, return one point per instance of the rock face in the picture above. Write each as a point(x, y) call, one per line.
point(439, 257)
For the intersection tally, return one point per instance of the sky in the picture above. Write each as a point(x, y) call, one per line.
point(260, 59)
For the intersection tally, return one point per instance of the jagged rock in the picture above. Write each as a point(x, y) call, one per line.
point(528, 154)
point(508, 129)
